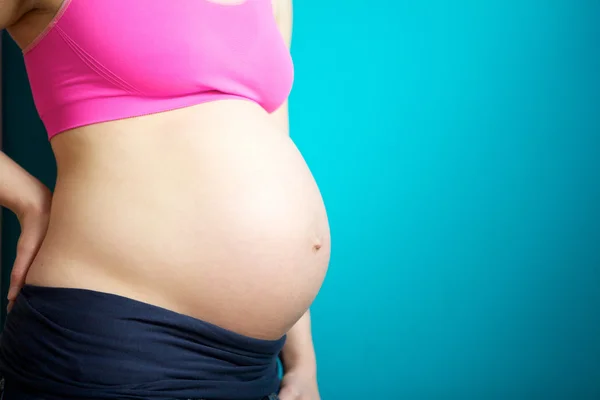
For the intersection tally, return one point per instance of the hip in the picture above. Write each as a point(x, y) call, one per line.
point(70, 343)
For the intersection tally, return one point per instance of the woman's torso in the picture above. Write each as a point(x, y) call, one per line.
point(208, 210)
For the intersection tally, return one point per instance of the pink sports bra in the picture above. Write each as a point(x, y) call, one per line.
point(103, 60)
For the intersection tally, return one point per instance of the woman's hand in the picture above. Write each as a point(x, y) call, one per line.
point(299, 385)
point(34, 224)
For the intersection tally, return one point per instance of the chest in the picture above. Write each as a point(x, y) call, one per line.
point(163, 46)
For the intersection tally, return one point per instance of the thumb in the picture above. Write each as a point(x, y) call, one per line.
point(25, 254)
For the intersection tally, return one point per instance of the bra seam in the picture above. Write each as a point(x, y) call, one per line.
point(97, 67)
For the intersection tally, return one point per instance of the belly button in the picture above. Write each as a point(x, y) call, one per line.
point(317, 245)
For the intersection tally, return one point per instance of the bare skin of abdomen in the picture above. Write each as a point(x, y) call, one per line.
point(209, 211)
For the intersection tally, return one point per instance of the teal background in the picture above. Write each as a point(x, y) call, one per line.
point(457, 146)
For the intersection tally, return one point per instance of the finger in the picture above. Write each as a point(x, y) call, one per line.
point(27, 247)
point(13, 291)
point(25, 255)
point(17, 278)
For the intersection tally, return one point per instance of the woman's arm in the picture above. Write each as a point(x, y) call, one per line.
point(12, 10)
point(19, 191)
point(30, 200)
point(298, 352)
point(299, 363)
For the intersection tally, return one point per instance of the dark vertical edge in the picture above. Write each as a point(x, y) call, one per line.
point(1, 125)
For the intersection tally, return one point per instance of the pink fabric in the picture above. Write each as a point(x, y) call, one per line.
point(102, 60)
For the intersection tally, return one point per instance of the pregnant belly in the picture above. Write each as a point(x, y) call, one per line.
point(225, 226)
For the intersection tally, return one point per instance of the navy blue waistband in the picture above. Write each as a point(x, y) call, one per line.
point(83, 344)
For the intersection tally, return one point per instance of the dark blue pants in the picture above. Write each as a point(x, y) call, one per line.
point(63, 344)
point(16, 394)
